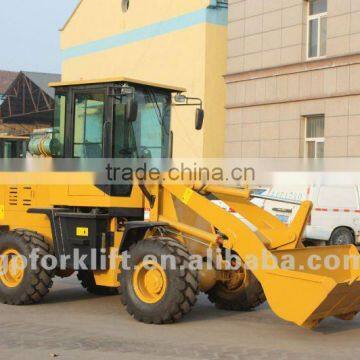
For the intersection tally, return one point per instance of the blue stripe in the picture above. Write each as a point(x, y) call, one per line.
point(211, 16)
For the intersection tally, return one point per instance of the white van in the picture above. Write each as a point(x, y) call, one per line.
point(335, 218)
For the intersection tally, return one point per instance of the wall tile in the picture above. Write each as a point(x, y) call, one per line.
point(336, 126)
point(336, 147)
point(236, 11)
point(269, 130)
point(292, 16)
point(250, 149)
point(289, 148)
point(354, 125)
point(354, 146)
point(253, 25)
point(272, 21)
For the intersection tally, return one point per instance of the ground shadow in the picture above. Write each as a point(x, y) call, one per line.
point(68, 290)
point(333, 325)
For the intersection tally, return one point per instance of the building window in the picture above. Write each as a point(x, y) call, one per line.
point(314, 136)
point(317, 28)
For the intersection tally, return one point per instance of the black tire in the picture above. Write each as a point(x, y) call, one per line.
point(35, 283)
point(182, 283)
point(342, 236)
point(245, 298)
point(87, 281)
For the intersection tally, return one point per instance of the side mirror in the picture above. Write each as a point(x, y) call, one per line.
point(131, 110)
point(199, 119)
point(180, 98)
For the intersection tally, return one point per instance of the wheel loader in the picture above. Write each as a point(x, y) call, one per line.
point(126, 118)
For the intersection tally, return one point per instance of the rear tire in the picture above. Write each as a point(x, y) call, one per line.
point(169, 295)
point(246, 297)
point(34, 283)
point(87, 281)
point(342, 236)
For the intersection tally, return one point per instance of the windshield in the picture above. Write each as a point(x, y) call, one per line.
point(148, 136)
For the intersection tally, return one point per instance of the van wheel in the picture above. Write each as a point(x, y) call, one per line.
point(342, 236)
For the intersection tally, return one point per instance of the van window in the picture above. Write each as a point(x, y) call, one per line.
point(338, 197)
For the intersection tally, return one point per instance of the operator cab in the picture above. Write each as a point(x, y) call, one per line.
point(116, 118)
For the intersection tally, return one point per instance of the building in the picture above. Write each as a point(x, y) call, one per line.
point(6, 78)
point(27, 102)
point(175, 42)
point(293, 78)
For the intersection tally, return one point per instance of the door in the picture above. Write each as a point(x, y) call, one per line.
point(88, 125)
point(89, 115)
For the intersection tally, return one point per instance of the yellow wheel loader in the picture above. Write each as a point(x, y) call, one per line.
point(125, 118)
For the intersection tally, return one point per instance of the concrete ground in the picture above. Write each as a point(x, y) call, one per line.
point(71, 324)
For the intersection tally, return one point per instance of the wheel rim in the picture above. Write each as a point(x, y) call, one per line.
point(11, 268)
point(343, 239)
point(150, 282)
point(236, 280)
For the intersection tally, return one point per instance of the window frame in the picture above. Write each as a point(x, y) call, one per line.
point(316, 140)
point(66, 96)
point(318, 17)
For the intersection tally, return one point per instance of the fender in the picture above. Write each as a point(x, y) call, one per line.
point(136, 230)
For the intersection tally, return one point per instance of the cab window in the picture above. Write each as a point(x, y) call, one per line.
point(88, 125)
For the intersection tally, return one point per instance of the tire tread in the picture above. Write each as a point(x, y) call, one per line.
point(41, 280)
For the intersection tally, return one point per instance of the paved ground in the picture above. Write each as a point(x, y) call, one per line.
point(74, 325)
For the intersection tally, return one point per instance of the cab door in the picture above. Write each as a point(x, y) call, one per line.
point(88, 133)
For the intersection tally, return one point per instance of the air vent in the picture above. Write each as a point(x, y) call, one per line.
point(13, 196)
point(26, 196)
point(26, 202)
point(20, 196)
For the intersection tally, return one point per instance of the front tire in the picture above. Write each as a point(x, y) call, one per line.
point(152, 294)
point(23, 285)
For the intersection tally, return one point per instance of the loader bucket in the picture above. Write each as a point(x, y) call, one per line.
point(307, 295)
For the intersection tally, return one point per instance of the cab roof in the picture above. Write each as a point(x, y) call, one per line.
point(116, 80)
